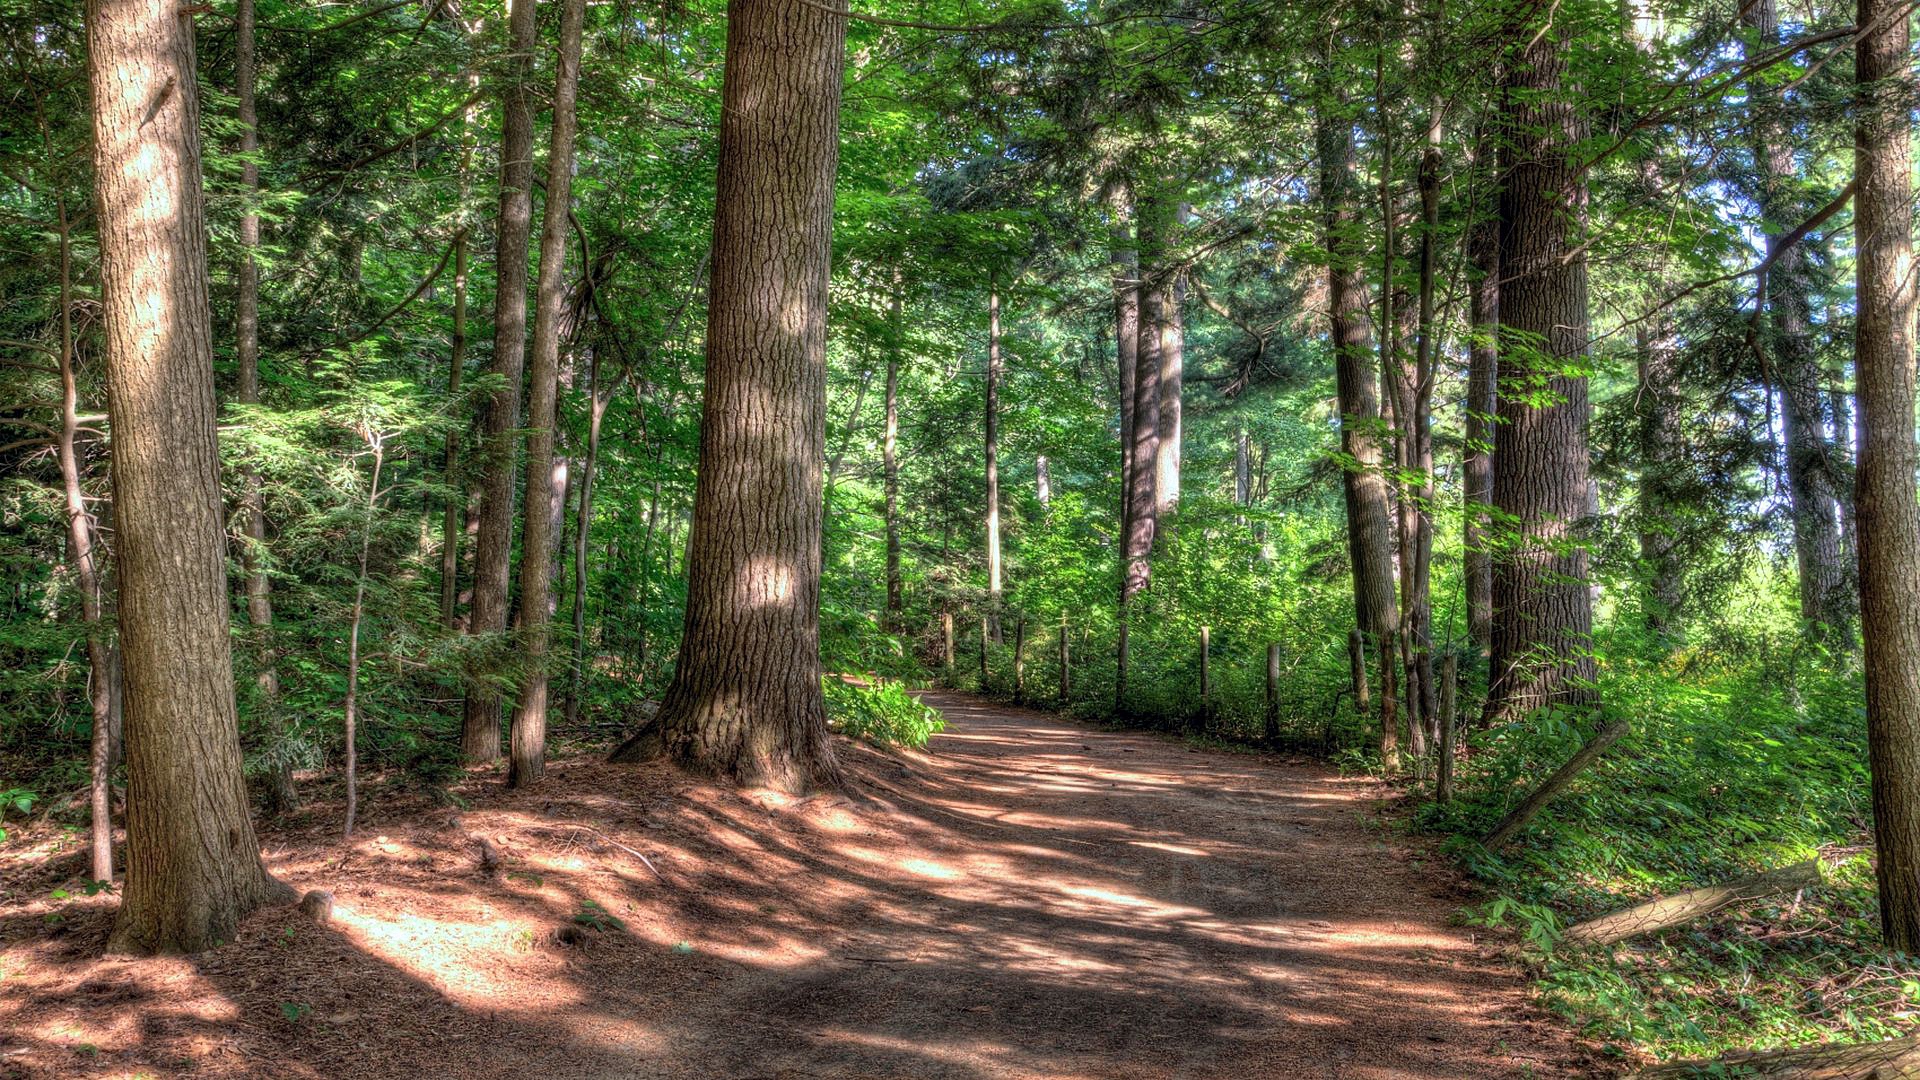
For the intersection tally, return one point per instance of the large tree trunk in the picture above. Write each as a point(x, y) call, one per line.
point(1884, 496)
point(1542, 609)
point(996, 584)
point(1483, 373)
point(526, 760)
point(500, 422)
point(193, 867)
point(1140, 507)
point(1791, 364)
point(1369, 532)
point(745, 703)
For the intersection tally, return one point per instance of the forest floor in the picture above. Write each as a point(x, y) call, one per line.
point(1032, 897)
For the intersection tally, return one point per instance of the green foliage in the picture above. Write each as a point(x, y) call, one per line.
point(882, 711)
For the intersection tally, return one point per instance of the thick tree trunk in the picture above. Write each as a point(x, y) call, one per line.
point(500, 422)
point(528, 737)
point(1666, 912)
point(890, 457)
point(1141, 509)
point(1369, 532)
point(745, 703)
point(1790, 360)
point(1124, 257)
point(1483, 367)
point(1884, 495)
point(193, 867)
point(996, 585)
point(1542, 609)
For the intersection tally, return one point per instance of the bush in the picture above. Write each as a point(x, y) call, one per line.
point(881, 712)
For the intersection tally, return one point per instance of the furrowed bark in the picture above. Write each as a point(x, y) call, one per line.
point(193, 866)
point(745, 703)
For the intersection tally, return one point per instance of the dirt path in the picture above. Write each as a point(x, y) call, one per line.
point(1033, 898)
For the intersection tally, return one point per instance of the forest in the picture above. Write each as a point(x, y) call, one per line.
point(959, 539)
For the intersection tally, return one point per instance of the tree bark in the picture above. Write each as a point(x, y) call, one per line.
point(598, 399)
point(1542, 609)
point(1666, 912)
point(1124, 257)
point(1170, 288)
point(1141, 507)
point(500, 421)
point(454, 511)
point(1884, 495)
point(526, 761)
point(745, 703)
point(1369, 539)
point(193, 867)
point(996, 594)
point(1550, 788)
point(1790, 361)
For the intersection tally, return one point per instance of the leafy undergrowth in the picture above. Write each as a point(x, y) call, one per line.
point(881, 711)
point(1734, 764)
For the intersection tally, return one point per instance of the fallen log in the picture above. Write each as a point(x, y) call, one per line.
point(1664, 912)
point(1895, 1059)
point(1532, 805)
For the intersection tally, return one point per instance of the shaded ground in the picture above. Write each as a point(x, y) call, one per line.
point(1033, 898)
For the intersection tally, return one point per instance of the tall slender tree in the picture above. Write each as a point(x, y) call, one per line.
point(500, 420)
point(996, 570)
point(193, 867)
point(526, 761)
point(745, 703)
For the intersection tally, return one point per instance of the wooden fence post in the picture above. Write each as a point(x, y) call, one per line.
point(1273, 692)
point(1066, 668)
point(1449, 683)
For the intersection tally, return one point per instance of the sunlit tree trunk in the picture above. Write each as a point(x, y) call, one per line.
point(996, 585)
point(890, 455)
point(745, 703)
point(500, 420)
point(1124, 258)
point(1542, 609)
point(193, 867)
point(1170, 287)
point(1141, 507)
point(1884, 495)
point(526, 760)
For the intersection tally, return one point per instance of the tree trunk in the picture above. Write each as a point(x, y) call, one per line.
point(351, 713)
point(528, 737)
point(890, 456)
point(1369, 539)
point(1789, 359)
point(1895, 1059)
point(996, 595)
point(1552, 786)
point(1417, 575)
point(1542, 609)
point(745, 703)
point(1662, 473)
point(1483, 354)
point(87, 576)
point(450, 522)
point(1124, 257)
point(598, 398)
point(193, 867)
point(1666, 912)
point(1884, 495)
point(1170, 288)
point(500, 422)
point(1141, 508)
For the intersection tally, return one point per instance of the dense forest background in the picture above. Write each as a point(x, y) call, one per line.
point(1305, 206)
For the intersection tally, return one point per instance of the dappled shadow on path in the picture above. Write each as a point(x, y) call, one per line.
point(1032, 898)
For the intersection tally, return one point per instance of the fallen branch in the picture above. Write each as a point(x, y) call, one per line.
point(1665, 912)
point(644, 861)
point(1895, 1059)
point(1531, 806)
